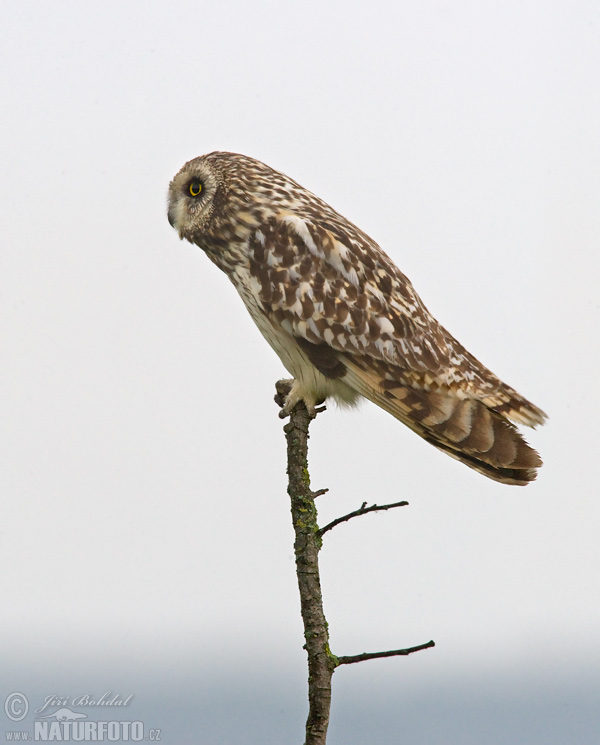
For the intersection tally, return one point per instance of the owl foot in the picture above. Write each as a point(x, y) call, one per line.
point(289, 393)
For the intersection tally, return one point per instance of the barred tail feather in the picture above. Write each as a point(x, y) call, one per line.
point(466, 429)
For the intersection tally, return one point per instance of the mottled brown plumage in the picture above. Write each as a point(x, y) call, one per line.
point(342, 317)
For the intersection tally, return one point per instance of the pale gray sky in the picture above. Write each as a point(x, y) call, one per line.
point(145, 537)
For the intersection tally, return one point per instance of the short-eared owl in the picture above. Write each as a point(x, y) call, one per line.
point(342, 317)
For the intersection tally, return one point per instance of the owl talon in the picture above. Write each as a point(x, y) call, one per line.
point(283, 389)
point(289, 393)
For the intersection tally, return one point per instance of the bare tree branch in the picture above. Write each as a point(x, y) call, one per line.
point(363, 509)
point(321, 663)
point(307, 544)
point(348, 660)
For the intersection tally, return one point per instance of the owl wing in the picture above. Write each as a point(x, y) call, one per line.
point(356, 316)
point(327, 288)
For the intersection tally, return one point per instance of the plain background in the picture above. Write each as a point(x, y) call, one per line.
point(145, 537)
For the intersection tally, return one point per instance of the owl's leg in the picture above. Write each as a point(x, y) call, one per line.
point(290, 392)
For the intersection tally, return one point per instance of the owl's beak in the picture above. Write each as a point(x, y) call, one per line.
point(171, 217)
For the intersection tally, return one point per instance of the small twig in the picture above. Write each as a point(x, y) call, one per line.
point(319, 493)
point(361, 511)
point(348, 660)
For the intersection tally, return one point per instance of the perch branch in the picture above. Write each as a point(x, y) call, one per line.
point(321, 663)
point(363, 509)
point(307, 544)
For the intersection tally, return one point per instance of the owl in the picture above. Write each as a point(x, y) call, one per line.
point(344, 320)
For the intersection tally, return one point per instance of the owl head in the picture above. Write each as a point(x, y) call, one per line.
point(199, 193)
point(217, 199)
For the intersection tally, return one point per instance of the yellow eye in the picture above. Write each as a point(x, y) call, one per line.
point(195, 188)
